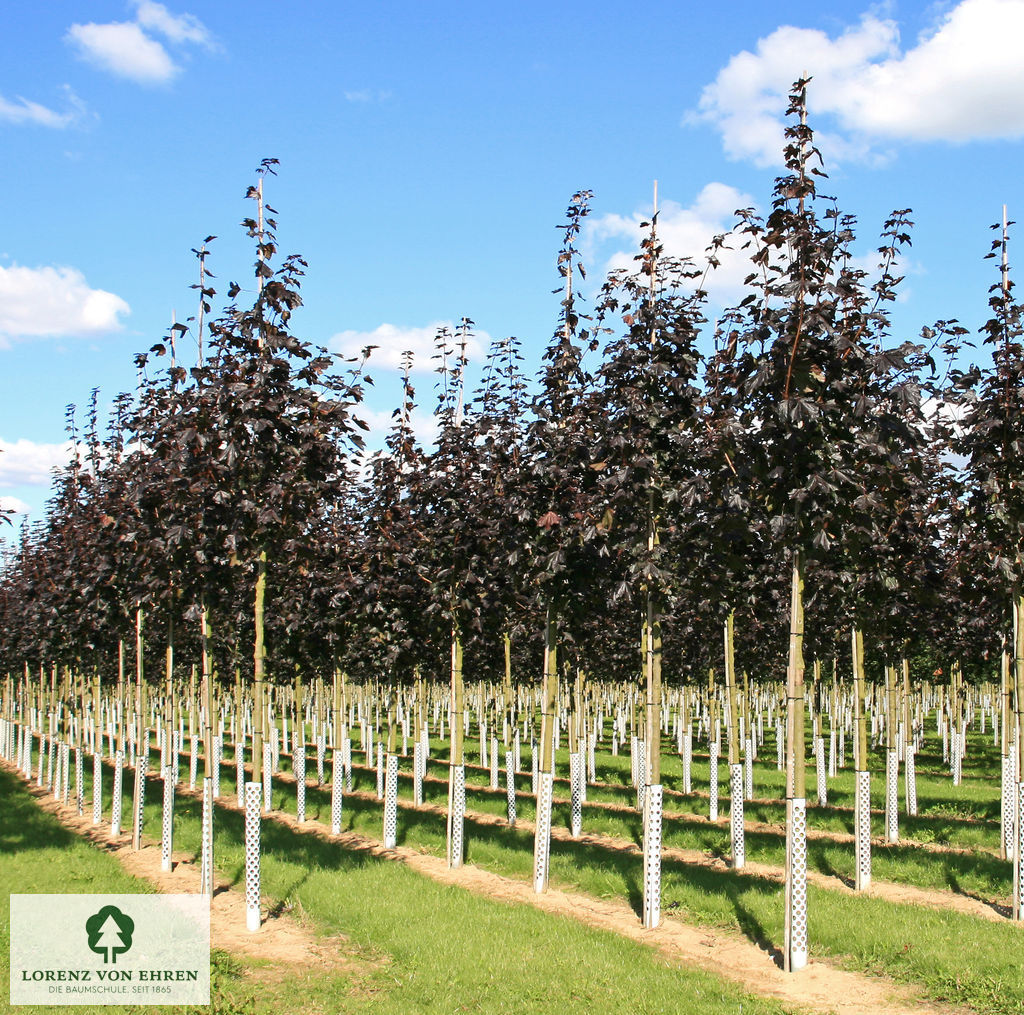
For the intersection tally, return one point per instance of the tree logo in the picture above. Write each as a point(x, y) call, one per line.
point(110, 933)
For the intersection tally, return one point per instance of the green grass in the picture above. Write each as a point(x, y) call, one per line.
point(420, 946)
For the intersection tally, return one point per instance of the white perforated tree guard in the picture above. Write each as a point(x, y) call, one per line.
point(380, 771)
point(346, 754)
point(253, 792)
point(862, 830)
point(115, 808)
point(1007, 810)
point(206, 841)
point(796, 885)
point(748, 770)
point(739, 853)
point(510, 788)
point(534, 769)
point(321, 746)
point(456, 813)
point(892, 809)
point(417, 773)
point(494, 763)
point(542, 835)
point(688, 761)
point(391, 801)
point(193, 763)
point(140, 796)
point(652, 856)
point(240, 771)
point(337, 776)
point(268, 794)
point(97, 789)
point(713, 783)
point(640, 776)
point(65, 773)
point(299, 767)
point(167, 823)
point(1018, 854)
point(55, 778)
point(218, 750)
point(819, 766)
point(79, 781)
point(575, 794)
point(910, 779)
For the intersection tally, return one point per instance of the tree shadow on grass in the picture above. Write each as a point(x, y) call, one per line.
point(24, 825)
point(751, 927)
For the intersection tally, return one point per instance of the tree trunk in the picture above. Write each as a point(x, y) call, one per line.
point(259, 668)
point(735, 766)
point(1018, 859)
point(140, 726)
point(862, 775)
point(456, 762)
point(542, 836)
point(795, 956)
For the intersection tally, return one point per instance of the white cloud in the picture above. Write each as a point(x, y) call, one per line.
point(392, 340)
point(26, 463)
point(177, 28)
point(424, 424)
point(21, 110)
point(962, 81)
point(684, 232)
point(126, 48)
point(15, 504)
point(54, 301)
point(364, 95)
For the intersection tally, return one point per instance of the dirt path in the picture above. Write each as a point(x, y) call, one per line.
point(283, 941)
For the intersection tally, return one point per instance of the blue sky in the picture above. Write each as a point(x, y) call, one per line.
point(428, 152)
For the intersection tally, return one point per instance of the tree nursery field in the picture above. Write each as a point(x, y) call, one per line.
point(685, 676)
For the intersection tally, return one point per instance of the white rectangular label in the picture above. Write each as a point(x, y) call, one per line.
point(110, 949)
